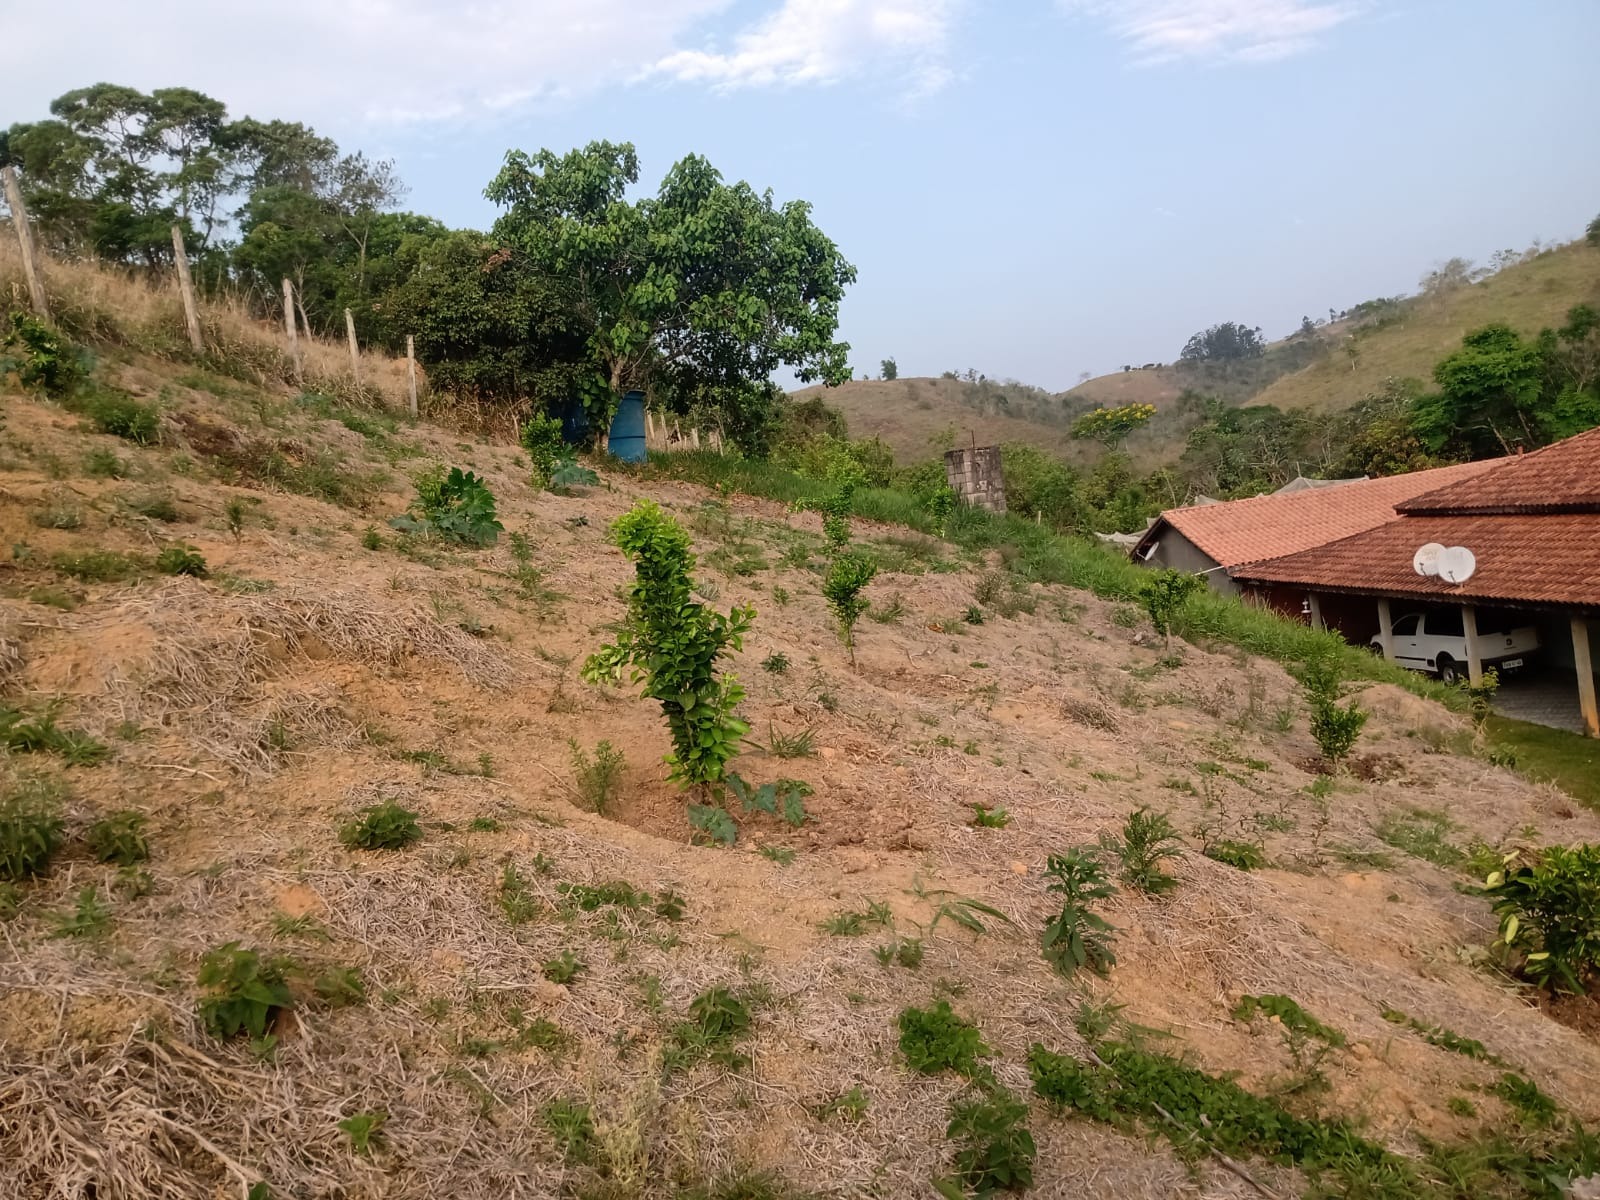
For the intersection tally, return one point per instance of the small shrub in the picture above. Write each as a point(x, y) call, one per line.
point(458, 507)
point(119, 838)
point(122, 416)
point(716, 1019)
point(31, 828)
point(711, 823)
point(842, 587)
point(995, 1147)
point(1289, 1014)
point(89, 917)
point(44, 360)
point(1334, 727)
point(973, 615)
point(935, 1039)
point(364, 1130)
point(990, 818)
point(571, 1123)
point(157, 507)
point(385, 826)
point(340, 987)
point(1549, 909)
point(371, 539)
point(96, 566)
point(541, 438)
point(243, 992)
point(672, 643)
point(597, 777)
point(40, 734)
point(1246, 856)
point(1147, 840)
point(1480, 697)
point(563, 968)
point(775, 663)
point(182, 559)
point(1164, 594)
point(1077, 936)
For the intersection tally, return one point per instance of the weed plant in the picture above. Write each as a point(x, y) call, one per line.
point(242, 992)
point(1077, 936)
point(31, 827)
point(385, 826)
point(1148, 839)
point(119, 838)
point(597, 778)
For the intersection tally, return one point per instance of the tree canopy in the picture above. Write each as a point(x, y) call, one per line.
point(700, 291)
point(1227, 342)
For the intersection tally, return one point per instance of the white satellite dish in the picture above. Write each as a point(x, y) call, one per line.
point(1426, 560)
point(1456, 564)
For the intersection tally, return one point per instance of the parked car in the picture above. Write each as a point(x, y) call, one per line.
point(1436, 641)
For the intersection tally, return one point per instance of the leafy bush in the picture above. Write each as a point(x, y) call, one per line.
point(31, 828)
point(457, 507)
point(1246, 856)
point(1334, 727)
point(935, 1039)
point(182, 559)
point(780, 798)
point(1549, 909)
point(122, 416)
point(243, 991)
point(1077, 936)
point(541, 438)
point(385, 826)
point(1147, 839)
point(996, 1148)
point(1164, 593)
point(44, 361)
point(775, 663)
point(569, 473)
point(119, 839)
point(842, 587)
point(597, 777)
point(672, 642)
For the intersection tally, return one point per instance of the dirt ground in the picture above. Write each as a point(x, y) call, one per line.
point(252, 712)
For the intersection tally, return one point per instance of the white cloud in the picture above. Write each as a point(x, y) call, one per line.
point(822, 41)
point(1162, 31)
point(340, 62)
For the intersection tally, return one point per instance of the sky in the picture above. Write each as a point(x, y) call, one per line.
point(1034, 188)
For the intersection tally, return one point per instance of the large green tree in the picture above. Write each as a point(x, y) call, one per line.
point(705, 288)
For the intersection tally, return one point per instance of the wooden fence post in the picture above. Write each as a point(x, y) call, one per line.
point(289, 328)
point(355, 352)
point(19, 221)
point(411, 373)
point(191, 311)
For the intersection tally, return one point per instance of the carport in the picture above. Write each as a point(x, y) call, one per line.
point(1533, 526)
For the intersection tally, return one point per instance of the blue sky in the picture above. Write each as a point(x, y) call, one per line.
point(1034, 188)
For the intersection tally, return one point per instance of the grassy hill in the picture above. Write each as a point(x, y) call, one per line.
point(216, 656)
point(911, 414)
point(914, 416)
point(1528, 296)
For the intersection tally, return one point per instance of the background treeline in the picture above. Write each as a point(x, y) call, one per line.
point(579, 292)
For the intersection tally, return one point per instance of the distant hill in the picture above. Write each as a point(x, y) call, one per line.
point(912, 415)
point(1334, 369)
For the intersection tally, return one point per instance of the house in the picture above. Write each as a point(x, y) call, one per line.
point(1532, 523)
point(1217, 538)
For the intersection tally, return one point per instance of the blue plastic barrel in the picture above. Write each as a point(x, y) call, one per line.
point(627, 429)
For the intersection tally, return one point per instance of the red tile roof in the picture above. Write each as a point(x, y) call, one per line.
point(1552, 559)
point(1241, 531)
point(1564, 477)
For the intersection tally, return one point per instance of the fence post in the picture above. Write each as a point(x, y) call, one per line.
point(289, 328)
point(191, 311)
point(19, 221)
point(355, 353)
point(411, 373)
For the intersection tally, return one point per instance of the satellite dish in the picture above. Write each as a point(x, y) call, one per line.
point(1426, 560)
point(1456, 564)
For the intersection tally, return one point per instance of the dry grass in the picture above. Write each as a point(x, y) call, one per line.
point(101, 304)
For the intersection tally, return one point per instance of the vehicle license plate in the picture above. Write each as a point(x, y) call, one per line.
point(1511, 662)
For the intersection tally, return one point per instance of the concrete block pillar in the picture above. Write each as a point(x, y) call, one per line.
point(1584, 659)
point(1469, 623)
point(1386, 628)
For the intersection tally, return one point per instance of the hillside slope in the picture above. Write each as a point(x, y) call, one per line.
point(326, 664)
point(915, 415)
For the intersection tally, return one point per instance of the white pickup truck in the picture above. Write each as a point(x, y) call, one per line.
point(1436, 641)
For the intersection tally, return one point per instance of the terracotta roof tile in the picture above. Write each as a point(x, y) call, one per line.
point(1552, 559)
point(1564, 477)
point(1241, 531)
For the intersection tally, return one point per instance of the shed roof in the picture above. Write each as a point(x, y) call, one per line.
point(1564, 477)
point(1235, 532)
